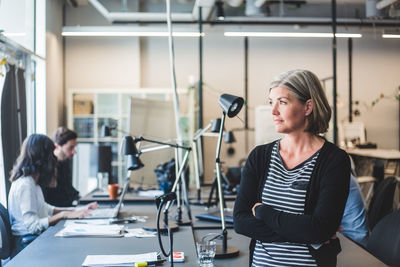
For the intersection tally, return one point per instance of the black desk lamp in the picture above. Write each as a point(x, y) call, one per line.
point(231, 106)
point(176, 186)
point(132, 161)
point(131, 154)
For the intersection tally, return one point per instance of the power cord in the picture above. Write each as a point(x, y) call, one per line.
point(160, 202)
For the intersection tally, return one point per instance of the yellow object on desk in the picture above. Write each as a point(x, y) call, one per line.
point(141, 264)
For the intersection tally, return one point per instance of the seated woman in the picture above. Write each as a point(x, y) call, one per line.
point(293, 191)
point(29, 213)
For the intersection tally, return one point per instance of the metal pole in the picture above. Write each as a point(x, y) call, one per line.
point(350, 43)
point(246, 91)
point(200, 96)
point(200, 125)
point(335, 137)
point(218, 170)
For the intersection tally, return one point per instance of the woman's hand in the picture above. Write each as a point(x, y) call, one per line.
point(90, 206)
point(254, 208)
point(76, 214)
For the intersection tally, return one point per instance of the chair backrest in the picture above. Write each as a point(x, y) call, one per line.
point(384, 241)
point(6, 234)
point(382, 201)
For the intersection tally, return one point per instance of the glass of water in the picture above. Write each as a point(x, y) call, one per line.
point(206, 252)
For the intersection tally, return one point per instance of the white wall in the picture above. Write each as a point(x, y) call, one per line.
point(54, 67)
point(102, 62)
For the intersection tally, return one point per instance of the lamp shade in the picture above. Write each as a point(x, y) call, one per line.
point(128, 146)
point(105, 131)
point(216, 125)
point(133, 162)
point(230, 104)
point(219, 10)
point(229, 137)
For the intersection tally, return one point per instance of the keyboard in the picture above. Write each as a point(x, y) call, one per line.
point(102, 213)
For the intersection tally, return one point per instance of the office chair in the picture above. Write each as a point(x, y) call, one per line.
point(6, 234)
point(384, 241)
point(381, 202)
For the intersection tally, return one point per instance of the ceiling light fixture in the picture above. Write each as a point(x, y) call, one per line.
point(390, 36)
point(128, 34)
point(292, 34)
point(14, 34)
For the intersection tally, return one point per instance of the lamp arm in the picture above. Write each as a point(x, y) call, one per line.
point(200, 132)
point(218, 170)
point(220, 135)
point(181, 168)
point(154, 148)
point(141, 138)
point(196, 164)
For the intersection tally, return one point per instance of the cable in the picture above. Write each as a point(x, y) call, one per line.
point(162, 200)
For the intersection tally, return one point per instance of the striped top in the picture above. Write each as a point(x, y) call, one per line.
point(285, 190)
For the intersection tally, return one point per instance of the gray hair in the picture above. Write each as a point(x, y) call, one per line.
point(305, 85)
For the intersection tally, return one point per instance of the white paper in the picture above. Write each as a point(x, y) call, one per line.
point(92, 230)
point(89, 221)
point(118, 260)
point(151, 193)
point(139, 232)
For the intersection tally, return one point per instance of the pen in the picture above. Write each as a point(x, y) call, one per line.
point(149, 263)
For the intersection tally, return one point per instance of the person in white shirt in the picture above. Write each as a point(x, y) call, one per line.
point(30, 215)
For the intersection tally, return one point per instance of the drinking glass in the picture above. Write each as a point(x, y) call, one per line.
point(206, 252)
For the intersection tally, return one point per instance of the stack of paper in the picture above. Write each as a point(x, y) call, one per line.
point(119, 260)
point(139, 232)
point(92, 230)
point(88, 221)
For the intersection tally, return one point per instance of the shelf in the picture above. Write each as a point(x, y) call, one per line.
point(109, 107)
point(83, 116)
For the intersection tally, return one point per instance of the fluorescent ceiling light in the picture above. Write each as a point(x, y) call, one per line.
point(386, 35)
point(14, 34)
point(292, 34)
point(128, 34)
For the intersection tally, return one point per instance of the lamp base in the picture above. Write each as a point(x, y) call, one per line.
point(197, 203)
point(173, 226)
point(230, 252)
point(184, 223)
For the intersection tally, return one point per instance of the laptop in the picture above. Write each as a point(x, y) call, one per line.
point(109, 213)
point(215, 216)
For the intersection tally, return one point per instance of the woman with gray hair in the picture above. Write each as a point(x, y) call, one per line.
point(301, 181)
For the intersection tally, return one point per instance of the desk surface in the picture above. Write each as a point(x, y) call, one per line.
point(134, 197)
point(375, 153)
point(48, 250)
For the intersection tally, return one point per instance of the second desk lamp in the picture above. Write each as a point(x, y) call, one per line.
point(231, 106)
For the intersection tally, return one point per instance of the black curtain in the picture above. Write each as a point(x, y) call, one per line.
point(22, 103)
point(13, 129)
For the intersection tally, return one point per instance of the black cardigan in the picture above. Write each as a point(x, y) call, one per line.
point(324, 204)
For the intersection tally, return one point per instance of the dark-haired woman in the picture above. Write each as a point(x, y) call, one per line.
point(293, 191)
point(29, 213)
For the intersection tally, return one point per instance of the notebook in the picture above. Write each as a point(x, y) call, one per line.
point(215, 216)
point(108, 213)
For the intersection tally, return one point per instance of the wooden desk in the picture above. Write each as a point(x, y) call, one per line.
point(363, 158)
point(388, 154)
